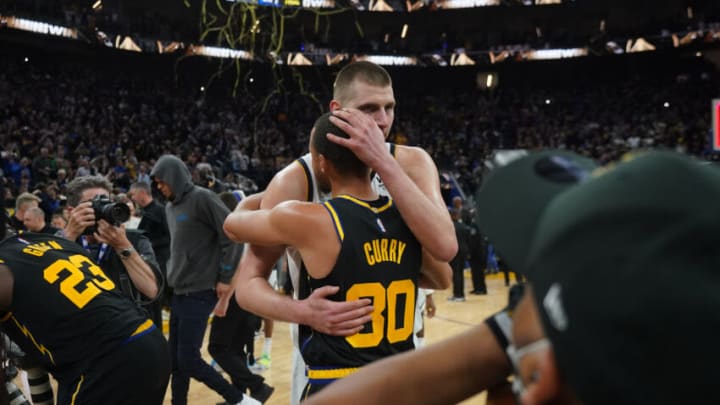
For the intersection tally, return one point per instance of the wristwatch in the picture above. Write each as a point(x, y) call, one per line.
point(125, 253)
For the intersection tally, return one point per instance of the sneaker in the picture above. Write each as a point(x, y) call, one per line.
point(248, 400)
point(256, 367)
point(478, 292)
point(263, 393)
point(456, 299)
point(265, 361)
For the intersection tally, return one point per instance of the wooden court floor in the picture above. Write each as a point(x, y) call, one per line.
point(452, 318)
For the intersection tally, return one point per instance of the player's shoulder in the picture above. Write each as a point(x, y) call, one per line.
point(414, 159)
point(298, 216)
point(290, 183)
point(409, 152)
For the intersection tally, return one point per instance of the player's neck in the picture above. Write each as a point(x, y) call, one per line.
point(359, 188)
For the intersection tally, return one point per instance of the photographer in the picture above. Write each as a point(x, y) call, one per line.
point(126, 256)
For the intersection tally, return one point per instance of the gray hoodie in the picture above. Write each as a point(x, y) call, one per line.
point(200, 253)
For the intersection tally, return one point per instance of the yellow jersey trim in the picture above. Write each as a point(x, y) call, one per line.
point(77, 389)
point(336, 220)
point(143, 327)
point(366, 205)
point(330, 374)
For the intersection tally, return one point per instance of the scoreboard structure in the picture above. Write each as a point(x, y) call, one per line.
point(716, 124)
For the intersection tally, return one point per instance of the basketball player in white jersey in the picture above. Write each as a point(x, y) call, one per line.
point(364, 99)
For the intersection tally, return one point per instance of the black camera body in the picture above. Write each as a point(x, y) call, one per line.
point(113, 212)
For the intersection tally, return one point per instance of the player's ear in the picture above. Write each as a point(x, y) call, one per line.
point(322, 163)
point(335, 105)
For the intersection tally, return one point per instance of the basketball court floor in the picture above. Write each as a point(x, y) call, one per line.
point(452, 318)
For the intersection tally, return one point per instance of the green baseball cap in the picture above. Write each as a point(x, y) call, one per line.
point(625, 269)
point(513, 196)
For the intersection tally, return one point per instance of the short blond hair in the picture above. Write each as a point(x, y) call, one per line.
point(24, 199)
point(364, 71)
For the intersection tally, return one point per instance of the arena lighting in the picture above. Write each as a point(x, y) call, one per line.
point(486, 80)
point(217, 52)
point(639, 45)
point(380, 5)
point(467, 3)
point(438, 60)
point(170, 47)
point(38, 27)
point(686, 39)
point(716, 124)
point(334, 60)
point(126, 44)
point(388, 60)
point(298, 59)
point(404, 31)
point(498, 57)
point(318, 3)
point(614, 48)
point(97, 6)
point(460, 58)
point(545, 54)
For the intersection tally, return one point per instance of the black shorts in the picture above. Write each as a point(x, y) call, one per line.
point(135, 373)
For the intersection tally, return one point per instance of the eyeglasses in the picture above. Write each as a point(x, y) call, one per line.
point(516, 355)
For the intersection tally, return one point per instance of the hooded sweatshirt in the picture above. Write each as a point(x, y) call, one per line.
point(200, 252)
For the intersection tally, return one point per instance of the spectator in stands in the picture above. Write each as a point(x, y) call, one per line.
point(23, 202)
point(34, 220)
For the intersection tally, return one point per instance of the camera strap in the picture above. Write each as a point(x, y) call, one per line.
point(101, 252)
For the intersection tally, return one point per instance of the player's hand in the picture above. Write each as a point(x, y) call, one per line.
point(224, 293)
point(112, 235)
point(344, 318)
point(366, 141)
point(80, 218)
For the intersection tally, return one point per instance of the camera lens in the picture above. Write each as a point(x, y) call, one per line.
point(116, 213)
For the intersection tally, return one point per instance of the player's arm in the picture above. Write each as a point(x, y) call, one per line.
point(253, 291)
point(443, 373)
point(278, 226)
point(6, 287)
point(434, 274)
point(411, 179)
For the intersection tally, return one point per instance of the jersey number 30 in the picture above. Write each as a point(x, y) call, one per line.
point(378, 293)
point(76, 286)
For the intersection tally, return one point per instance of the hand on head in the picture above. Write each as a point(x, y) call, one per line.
point(366, 140)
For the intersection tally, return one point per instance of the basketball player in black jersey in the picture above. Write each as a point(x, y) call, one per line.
point(65, 312)
point(358, 241)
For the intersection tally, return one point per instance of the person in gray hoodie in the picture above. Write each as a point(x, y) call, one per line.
point(200, 269)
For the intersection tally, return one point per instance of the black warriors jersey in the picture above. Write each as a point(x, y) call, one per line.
point(65, 311)
point(379, 259)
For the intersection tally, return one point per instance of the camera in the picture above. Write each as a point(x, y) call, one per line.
point(113, 212)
